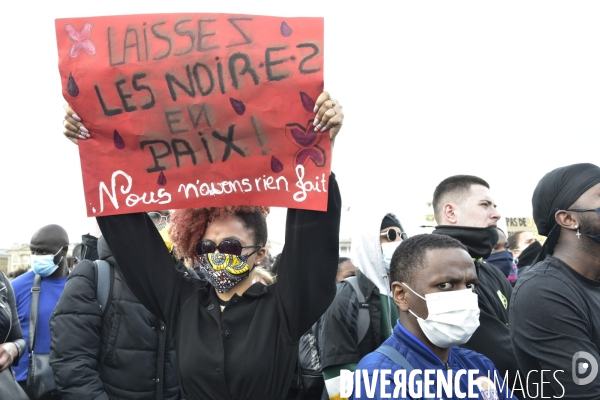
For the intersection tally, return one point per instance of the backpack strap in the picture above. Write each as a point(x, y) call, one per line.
point(33, 311)
point(104, 280)
point(364, 319)
point(84, 251)
point(398, 358)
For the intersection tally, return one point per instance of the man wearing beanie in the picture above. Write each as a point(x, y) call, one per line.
point(555, 307)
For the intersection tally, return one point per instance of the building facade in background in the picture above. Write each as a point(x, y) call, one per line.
point(19, 257)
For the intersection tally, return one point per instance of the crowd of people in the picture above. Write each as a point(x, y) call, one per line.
point(189, 304)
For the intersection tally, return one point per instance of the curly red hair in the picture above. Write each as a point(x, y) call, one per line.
point(188, 225)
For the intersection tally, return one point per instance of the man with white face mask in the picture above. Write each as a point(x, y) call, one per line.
point(49, 247)
point(433, 286)
point(344, 335)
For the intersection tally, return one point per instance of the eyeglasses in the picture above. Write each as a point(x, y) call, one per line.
point(158, 218)
point(597, 210)
point(392, 235)
point(227, 246)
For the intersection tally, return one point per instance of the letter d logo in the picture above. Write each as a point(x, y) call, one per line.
point(581, 367)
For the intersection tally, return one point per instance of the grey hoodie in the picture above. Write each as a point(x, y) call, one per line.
point(366, 247)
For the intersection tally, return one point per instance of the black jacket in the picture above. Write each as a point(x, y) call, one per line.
point(492, 338)
point(249, 350)
point(338, 327)
point(10, 327)
point(125, 354)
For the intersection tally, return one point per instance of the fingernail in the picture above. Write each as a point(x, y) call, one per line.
point(323, 129)
point(316, 108)
point(81, 137)
point(316, 121)
point(75, 116)
point(83, 129)
point(317, 127)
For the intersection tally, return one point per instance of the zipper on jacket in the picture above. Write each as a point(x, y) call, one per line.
point(447, 366)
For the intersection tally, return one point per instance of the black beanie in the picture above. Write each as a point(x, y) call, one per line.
point(389, 221)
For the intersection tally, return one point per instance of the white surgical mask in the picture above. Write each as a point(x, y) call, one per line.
point(44, 264)
point(453, 317)
point(388, 251)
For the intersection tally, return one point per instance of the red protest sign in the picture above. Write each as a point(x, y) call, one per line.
point(196, 110)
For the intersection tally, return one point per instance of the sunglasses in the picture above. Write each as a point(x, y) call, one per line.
point(597, 210)
point(227, 246)
point(392, 235)
point(159, 219)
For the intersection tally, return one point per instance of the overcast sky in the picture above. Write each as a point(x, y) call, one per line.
point(503, 90)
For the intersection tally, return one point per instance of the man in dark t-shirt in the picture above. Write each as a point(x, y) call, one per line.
point(555, 306)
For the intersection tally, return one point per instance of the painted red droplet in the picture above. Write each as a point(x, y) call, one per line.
point(307, 102)
point(118, 140)
point(304, 139)
point(315, 155)
point(72, 87)
point(238, 106)
point(162, 179)
point(285, 29)
point(276, 165)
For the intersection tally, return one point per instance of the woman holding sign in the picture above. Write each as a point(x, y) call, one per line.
point(234, 339)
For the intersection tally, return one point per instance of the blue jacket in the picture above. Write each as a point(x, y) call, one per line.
point(422, 358)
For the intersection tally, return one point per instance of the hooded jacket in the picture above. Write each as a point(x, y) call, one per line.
point(125, 354)
point(366, 248)
point(338, 342)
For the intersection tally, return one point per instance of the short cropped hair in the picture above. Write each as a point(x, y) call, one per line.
point(504, 233)
point(454, 188)
point(411, 254)
point(342, 260)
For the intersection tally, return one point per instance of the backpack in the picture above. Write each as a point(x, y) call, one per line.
point(309, 362)
point(104, 275)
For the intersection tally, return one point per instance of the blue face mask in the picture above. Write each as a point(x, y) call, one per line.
point(43, 265)
point(503, 260)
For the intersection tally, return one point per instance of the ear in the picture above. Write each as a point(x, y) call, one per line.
point(399, 295)
point(450, 213)
point(260, 255)
point(567, 219)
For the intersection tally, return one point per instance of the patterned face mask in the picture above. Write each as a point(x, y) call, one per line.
point(224, 271)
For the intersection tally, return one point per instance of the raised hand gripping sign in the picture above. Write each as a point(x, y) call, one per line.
point(196, 110)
